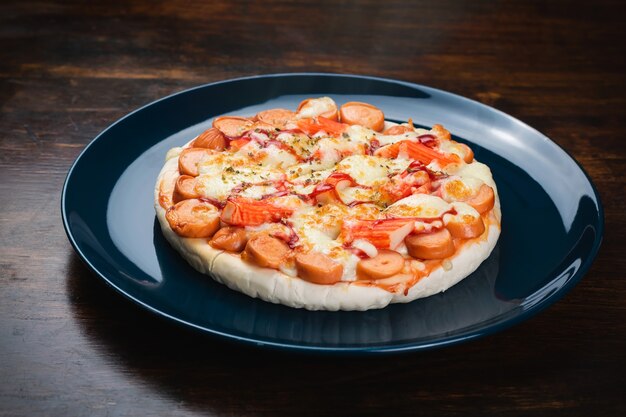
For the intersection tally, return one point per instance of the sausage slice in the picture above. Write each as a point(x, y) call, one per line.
point(267, 251)
point(435, 245)
point(318, 268)
point(357, 113)
point(189, 159)
point(232, 239)
point(276, 117)
point(193, 218)
point(212, 139)
point(383, 265)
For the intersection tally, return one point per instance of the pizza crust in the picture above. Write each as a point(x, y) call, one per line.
point(274, 286)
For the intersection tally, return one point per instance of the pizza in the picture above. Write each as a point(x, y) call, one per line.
point(328, 208)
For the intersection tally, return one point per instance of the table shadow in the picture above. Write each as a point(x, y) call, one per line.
point(203, 372)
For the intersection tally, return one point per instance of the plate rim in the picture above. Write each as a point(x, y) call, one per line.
point(342, 350)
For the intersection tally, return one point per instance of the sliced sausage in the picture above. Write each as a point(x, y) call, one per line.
point(185, 188)
point(318, 268)
point(232, 239)
point(357, 113)
point(267, 251)
point(398, 130)
point(435, 245)
point(193, 218)
point(189, 159)
point(166, 189)
point(383, 265)
point(276, 117)
point(441, 132)
point(232, 126)
point(468, 153)
point(313, 107)
point(466, 226)
point(484, 200)
point(212, 139)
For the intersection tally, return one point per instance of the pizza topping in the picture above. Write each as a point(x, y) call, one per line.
point(232, 239)
point(363, 114)
point(321, 124)
point(185, 188)
point(322, 194)
point(276, 117)
point(408, 149)
point(242, 211)
point(193, 218)
point(457, 188)
point(421, 206)
point(212, 139)
point(318, 268)
point(166, 189)
point(484, 200)
point(435, 245)
point(190, 158)
point(313, 107)
point(267, 251)
point(385, 264)
point(398, 130)
point(441, 133)
point(232, 126)
point(466, 223)
point(467, 153)
point(382, 233)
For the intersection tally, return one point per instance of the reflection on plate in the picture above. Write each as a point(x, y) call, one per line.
point(108, 215)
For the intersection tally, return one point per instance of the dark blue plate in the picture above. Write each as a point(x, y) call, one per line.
point(551, 231)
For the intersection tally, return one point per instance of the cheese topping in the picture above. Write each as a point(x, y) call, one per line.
point(333, 193)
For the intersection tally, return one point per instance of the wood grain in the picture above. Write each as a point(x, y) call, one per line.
point(70, 346)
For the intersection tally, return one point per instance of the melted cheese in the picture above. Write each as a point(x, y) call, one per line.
point(458, 188)
point(366, 170)
point(418, 205)
point(316, 106)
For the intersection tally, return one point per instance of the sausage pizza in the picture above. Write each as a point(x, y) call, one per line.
point(328, 208)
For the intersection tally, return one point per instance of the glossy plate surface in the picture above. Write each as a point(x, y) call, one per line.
point(551, 230)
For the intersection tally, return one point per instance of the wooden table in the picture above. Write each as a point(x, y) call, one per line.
point(70, 346)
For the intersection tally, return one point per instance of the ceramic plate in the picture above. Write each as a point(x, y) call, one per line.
point(551, 229)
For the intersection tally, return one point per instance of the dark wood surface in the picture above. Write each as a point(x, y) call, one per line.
point(70, 346)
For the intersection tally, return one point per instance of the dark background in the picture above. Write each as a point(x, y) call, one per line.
point(70, 346)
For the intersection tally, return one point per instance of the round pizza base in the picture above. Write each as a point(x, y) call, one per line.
point(276, 287)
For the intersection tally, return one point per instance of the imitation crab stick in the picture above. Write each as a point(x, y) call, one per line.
point(189, 159)
point(193, 218)
point(417, 151)
point(212, 139)
point(237, 144)
point(435, 245)
point(383, 233)
point(267, 251)
point(249, 212)
point(318, 268)
point(364, 114)
point(385, 264)
point(326, 191)
point(320, 123)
